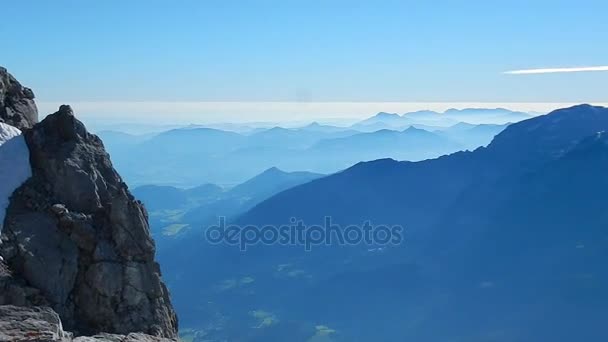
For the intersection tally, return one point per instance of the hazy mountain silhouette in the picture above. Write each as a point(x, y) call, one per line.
point(317, 127)
point(448, 118)
point(471, 136)
point(195, 155)
point(293, 138)
point(198, 207)
point(390, 119)
point(409, 144)
point(244, 196)
point(486, 116)
point(494, 238)
point(271, 181)
point(387, 185)
point(157, 197)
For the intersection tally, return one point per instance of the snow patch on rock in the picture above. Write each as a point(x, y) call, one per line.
point(14, 164)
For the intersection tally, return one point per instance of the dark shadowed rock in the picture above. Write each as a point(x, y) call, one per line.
point(75, 232)
point(17, 107)
point(15, 291)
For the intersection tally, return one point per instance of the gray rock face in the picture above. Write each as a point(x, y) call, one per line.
point(133, 337)
point(42, 324)
point(31, 324)
point(15, 291)
point(74, 232)
point(17, 107)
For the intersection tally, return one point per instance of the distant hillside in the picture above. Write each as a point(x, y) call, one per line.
point(494, 238)
point(522, 145)
point(409, 144)
point(174, 210)
point(450, 117)
point(194, 155)
point(472, 136)
point(158, 197)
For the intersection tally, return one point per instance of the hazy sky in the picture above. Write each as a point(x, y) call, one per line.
point(103, 52)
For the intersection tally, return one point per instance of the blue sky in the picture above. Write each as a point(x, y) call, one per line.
point(306, 51)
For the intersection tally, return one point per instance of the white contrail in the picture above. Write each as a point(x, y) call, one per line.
point(557, 70)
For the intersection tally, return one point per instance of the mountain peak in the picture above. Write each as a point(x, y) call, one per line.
point(582, 106)
point(65, 110)
point(580, 109)
point(77, 201)
point(571, 113)
point(552, 134)
point(413, 129)
point(475, 110)
point(73, 231)
point(387, 115)
point(17, 106)
point(420, 113)
point(277, 128)
point(273, 171)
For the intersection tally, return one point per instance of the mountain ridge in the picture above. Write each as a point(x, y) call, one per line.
point(493, 238)
point(504, 149)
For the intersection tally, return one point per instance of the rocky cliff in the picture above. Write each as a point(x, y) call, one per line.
point(17, 107)
point(74, 238)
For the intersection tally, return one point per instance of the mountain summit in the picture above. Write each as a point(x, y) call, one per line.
point(75, 235)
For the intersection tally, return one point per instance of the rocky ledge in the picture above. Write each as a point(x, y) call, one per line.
point(42, 324)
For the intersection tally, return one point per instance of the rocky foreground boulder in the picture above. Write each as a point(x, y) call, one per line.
point(42, 324)
point(75, 241)
point(33, 323)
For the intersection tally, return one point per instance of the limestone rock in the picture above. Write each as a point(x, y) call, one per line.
point(133, 337)
point(75, 232)
point(40, 324)
point(15, 291)
point(17, 107)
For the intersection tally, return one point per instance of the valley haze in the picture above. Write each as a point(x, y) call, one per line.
point(106, 113)
point(304, 171)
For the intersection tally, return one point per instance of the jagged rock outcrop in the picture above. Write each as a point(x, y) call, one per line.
point(74, 238)
point(17, 106)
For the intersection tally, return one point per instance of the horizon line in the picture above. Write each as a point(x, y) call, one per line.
point(215, 112)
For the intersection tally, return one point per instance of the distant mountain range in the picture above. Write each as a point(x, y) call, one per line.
point(448, 118)
point(195, 155)
point(409, 144)
point(176, 211)
point(521, 147)
point(504, 243)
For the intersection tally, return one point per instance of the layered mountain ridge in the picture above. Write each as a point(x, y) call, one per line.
point(504, 243)
point(521, 146)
